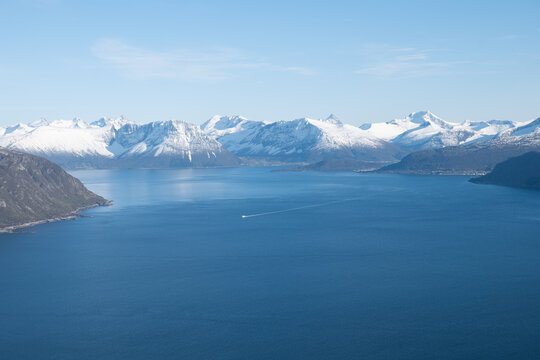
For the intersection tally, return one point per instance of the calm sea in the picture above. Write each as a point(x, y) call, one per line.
point(321, 266)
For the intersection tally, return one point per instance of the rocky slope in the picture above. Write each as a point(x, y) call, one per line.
point(33, 190)
point(522, 171)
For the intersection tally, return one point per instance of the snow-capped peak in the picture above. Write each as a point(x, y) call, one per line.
point(116, 123)
point(218, 122)
point(38, 123)
point(391, 129)
point(218, 126)
point(333, 119)
point(17, 129)
point(427, 117)
point(74, 123)
point(420, 130)
point(525, 129)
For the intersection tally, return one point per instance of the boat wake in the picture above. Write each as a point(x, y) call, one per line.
point(298, 208)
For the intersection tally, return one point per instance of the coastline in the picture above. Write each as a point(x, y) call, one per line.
point(430, 172)
point(73, 215)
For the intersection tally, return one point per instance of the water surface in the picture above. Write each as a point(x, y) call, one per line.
point(343, 266)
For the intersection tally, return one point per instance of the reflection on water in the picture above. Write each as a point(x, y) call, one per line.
point(411, 268)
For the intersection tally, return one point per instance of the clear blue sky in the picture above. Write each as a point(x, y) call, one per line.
point(365, 61)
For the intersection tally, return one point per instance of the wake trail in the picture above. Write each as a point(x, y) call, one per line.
point(299, 208)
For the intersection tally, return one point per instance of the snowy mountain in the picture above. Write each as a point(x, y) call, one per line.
point(117, 142)
point(474, 157)
point(526, 133)
point(310, 140)
point(424, 130)
point(300, 140)
point(218, 126)
point(169, 144)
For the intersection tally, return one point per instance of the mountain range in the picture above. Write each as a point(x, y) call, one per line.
point(117, 143)
point(301, 140)
point(424, 130)
point(477, 157)
point(420, 138)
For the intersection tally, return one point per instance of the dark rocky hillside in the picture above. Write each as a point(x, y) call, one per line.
point(522, 171)
point(33, 190)
point(457, 160)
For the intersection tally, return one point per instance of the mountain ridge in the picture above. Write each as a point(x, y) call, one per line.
point(236, 140)
point(302, 140)
point(118, 143)
point(474, 158)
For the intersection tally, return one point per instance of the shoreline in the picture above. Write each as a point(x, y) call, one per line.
point(73, 215)
point(431, 173)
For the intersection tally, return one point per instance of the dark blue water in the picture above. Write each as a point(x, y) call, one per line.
point(372, 267)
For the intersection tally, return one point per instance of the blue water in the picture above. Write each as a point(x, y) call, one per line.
point(361, 267)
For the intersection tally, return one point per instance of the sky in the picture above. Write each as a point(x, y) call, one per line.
point(364, 61)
